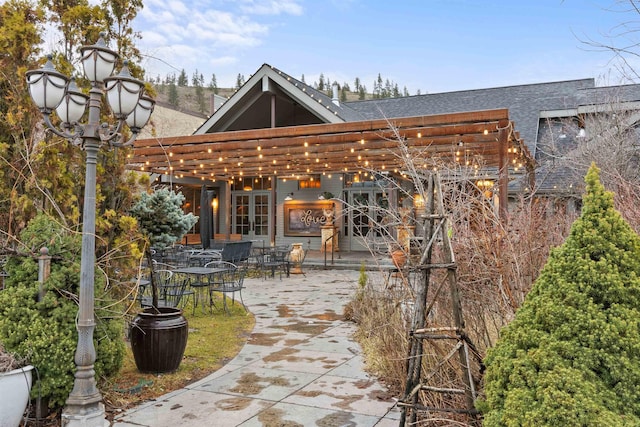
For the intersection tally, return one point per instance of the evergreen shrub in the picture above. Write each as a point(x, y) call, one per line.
point(571, 356)
point(44, 331)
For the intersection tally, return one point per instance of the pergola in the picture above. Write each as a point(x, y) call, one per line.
point(480, 139)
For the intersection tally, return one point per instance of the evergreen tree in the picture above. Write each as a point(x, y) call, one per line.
point(302, 79)
point(321, 84)
point(378, 87)
point(357, 83)
point(173, 94)
point(343, 94)
point(388, 89)
point(362, 92)
point(571, 356)
point(182, 78)
point(405, 92)
point(202, 105)
point(239, 81)
point(213, 85)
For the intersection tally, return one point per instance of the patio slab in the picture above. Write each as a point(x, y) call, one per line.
point(300, 366)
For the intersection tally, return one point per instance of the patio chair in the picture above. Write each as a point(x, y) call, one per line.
point(236, 252)
point(162, 266)
point(276, 258)
point(229, 280)
point(171, 292)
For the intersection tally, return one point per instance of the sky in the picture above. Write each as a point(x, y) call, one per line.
point(424, 45)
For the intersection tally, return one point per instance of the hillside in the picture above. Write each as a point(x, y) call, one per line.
point(188, 102)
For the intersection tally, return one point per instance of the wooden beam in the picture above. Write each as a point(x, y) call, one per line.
point(475, 138)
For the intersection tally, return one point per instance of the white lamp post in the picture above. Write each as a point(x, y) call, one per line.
point(51, 90)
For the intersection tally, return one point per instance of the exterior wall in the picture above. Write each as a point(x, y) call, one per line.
point(284, 188)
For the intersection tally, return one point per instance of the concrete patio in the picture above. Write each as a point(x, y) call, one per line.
point(300, 367)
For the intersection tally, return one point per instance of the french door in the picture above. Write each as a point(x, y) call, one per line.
point(366, 208)
point(251, 215)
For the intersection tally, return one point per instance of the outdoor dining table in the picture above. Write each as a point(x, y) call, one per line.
point(199, 278)
point(204, 257)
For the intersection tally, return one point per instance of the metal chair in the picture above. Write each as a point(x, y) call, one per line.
point(171, 292)
point(229, 280)
point(276, 258)
point(162, 266)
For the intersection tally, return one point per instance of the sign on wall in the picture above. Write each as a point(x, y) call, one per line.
point(305, 219)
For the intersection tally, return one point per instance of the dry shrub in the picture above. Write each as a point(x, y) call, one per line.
point(382, 331)
point(9, 361)
point(497, 263)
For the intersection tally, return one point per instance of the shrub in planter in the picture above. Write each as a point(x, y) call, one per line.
point(571, 356)
point(45, 328)
point(159, 334)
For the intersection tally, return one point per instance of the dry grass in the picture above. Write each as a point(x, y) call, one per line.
point(382, 333)
point(214, 339)
point(8, 361)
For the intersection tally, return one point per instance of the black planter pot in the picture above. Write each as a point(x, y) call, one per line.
point(158, 339)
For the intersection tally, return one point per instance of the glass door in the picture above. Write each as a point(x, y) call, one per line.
point(251, 215)
point(365, 219)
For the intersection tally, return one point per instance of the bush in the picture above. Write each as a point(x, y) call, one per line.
point(44, 331)
point(571, 356)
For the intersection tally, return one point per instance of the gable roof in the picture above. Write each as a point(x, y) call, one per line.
point(271, 98)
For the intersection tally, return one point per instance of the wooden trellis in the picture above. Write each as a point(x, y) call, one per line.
point(443, 364)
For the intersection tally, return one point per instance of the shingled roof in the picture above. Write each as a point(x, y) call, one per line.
point(524, 103)
point(272, 98)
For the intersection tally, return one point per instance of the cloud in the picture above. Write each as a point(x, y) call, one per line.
point(223, 61)
point(271, 7)
point(190, 34)
point(224, 27)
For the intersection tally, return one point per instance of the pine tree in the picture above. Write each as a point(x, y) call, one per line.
point(239, 81)
point(173, 94)
point(202, 105)
point(377, 87)
point(213, 85)
point(388, 89)
point(182, 78)
point(571, 356)
point(321, 84)
point(362, 92)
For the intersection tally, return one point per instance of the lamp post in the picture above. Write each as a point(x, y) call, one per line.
point(51, 90)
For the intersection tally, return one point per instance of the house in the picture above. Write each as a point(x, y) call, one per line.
point(271, 157)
